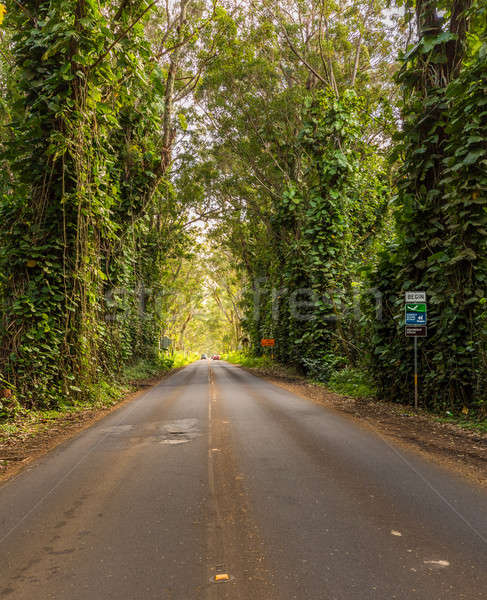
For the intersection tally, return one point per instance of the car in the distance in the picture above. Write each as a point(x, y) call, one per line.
point(203, 357)
point(215, 357)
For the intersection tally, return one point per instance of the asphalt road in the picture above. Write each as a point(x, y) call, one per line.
point(214, 474)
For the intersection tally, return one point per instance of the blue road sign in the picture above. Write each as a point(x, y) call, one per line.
point(416, 318)
point(416, 313)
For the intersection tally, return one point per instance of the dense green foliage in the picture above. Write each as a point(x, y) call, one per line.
point(220, 172)
point(335, 207)
point(92, 230)
point(321, 225)
point(440, 245)
point(299, 169)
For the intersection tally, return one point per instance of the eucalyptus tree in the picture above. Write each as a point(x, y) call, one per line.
point(441, 224)
point(298, 104)
point(89, 215)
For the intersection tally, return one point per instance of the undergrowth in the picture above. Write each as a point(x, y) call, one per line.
point(351, 382)
point(14, 418)
point(239, 358)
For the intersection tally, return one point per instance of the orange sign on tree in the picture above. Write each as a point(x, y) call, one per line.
point(268, 342)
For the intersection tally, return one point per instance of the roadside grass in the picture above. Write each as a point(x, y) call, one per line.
point(351, 382)
point(356, 383)
point(264, 365)
point(145, 369)
point(148, 368)
point(181, 359)
point(22, 422)
point(239, 358)
point(348, 382)
point(471, 423)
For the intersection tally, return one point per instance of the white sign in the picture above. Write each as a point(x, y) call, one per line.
point(415, 297)
point(166, 343)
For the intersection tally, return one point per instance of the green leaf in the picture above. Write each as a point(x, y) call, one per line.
point(473, 156)
point(182, 121)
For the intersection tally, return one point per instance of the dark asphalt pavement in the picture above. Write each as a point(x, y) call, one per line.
point(217, 473)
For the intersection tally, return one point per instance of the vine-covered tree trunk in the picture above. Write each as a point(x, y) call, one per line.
point(440, 237)
point(63, 214)
point(50, 217)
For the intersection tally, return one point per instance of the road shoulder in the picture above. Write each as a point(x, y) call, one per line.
point(461, 450)
point(33, 439)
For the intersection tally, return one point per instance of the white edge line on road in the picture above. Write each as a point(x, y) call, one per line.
point(432, 487)
point(406, 462)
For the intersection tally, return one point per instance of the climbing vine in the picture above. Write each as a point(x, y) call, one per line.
point(331, 185)
point(441, 219)
point(85, 203)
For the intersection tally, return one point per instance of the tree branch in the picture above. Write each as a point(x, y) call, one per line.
point(122, 35)
point(328, 66)
point(301, 58)
point(27, 12)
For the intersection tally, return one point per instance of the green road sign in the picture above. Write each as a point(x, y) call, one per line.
point(416, 313)
point(418, 307)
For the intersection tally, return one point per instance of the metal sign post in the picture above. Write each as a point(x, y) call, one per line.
point(270, 343)
point(415, 373)
point(416, 317)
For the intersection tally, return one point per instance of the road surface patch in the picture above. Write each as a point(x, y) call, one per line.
point(180, 432)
